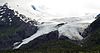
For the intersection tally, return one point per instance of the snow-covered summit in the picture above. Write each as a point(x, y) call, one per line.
point(50, 9)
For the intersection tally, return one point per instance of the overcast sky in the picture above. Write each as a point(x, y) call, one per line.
point(71, 7)
point(63, 7)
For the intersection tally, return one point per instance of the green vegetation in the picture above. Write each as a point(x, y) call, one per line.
point(50, 51)
point(93, 42)
point(58, 46)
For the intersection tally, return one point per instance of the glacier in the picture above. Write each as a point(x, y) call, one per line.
point(48, 21)
point(70, 29)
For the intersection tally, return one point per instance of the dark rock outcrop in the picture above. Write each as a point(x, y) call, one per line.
point(92, 33)
point(13, 27)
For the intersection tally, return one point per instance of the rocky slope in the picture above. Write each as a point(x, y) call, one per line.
point(13, 27)
point(92, 33)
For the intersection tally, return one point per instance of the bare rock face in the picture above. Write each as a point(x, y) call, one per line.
point(13, 27)
point(92, 34)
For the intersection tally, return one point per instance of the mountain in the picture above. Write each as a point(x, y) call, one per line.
point(13, 27)
point(91, 41)
point(20, 32)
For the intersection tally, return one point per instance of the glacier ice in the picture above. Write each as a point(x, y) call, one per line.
point(70, 29)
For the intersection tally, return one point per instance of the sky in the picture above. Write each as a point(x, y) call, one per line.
point(62, 7)
point(71, 7)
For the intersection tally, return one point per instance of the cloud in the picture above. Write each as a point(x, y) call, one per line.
point(61, 7)
point(71, 7)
